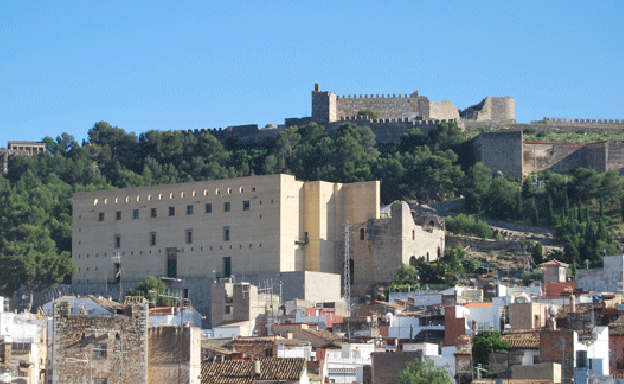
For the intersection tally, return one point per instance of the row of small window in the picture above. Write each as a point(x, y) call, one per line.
point(230, 190)
point(188, 237)
point(189, 211)
point(212, 248)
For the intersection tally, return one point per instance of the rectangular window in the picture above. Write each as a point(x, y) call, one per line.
point(118, 215)
point(99, 351)
point(100, 381)
point(117, 241)
point(101, 216)
point(189, 209)
point(154, 214)
point(135, 214)
point(208, 207)
point(245, 205)
point(226, 233)
point(171, 211)
point(226, 206)
point(153, 238)
point(189, 236)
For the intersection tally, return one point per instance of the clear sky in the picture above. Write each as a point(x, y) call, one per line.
point(65, 65)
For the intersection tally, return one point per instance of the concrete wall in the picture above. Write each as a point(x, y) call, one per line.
point(386, 367)
point(174, 353)
point(609, 278)
point(545, 371)
point(500, 151)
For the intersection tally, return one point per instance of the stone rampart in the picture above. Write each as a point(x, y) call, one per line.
point(387, 107)
point(389, 131)
point(546, 127)
point(615, 155)
point(500, 151)
point(560, 157)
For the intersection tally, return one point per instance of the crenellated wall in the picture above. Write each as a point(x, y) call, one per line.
point(387, 107)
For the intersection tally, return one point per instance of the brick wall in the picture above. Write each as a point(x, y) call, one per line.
point(453, 327)
point(386, 367)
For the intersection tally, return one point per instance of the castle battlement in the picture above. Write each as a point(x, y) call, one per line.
point(583, 121)
point(365, 120)
point(379, 96)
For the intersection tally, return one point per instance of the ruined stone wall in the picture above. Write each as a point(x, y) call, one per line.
point(442, 110)
point(560, 157)
point(390, 107)
point(115, 347)
point(500, 151)
point(497, 109)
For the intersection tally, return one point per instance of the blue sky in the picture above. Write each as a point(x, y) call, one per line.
point(193, 65)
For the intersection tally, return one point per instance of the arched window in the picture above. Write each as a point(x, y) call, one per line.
point(412, 261)
point(361, 233)
point(427, 257)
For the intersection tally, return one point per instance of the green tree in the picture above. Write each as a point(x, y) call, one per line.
point(29, 258)
point(406, 274)
point(486, 342)
point(538, 253)
point(423, 372)
point(153, 289)
point(368, 114)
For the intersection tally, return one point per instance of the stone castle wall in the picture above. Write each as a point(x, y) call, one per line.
point(560, 157)
point(497, 109)
point(500, 151)
point(390, 107)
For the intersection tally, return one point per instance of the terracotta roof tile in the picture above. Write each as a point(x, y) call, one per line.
point(522, 338)
point(240, 371)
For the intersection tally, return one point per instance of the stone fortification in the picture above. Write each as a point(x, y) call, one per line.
point(391, 107)
point(507, 152)
point(500, 151)
point(327, 107)
point(389, 131)
point(501, 109)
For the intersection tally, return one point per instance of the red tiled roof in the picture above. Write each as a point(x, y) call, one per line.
point(240, 371)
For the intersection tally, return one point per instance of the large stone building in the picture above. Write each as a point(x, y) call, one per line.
point(243, 226)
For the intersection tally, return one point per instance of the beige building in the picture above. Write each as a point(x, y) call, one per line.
point(244, 226)
point(21, 148)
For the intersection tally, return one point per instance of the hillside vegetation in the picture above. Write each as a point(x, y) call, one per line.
point(35, 197)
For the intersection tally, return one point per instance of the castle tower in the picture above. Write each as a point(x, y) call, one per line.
point(323, 106)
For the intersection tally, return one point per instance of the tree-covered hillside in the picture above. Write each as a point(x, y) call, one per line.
point(35, 197)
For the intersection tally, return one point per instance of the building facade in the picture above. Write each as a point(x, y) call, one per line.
point(244, 226)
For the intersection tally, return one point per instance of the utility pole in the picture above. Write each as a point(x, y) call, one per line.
point(347, 272)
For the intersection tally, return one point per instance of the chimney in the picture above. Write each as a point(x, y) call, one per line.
point(572, 304)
